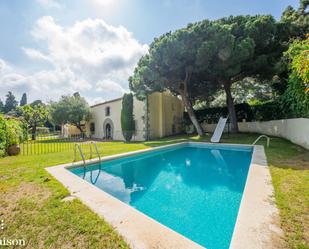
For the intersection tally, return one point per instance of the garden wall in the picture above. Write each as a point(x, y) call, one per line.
point(296, 130)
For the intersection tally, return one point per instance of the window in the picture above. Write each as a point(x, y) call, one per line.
point(107, 111)
point(92, 128)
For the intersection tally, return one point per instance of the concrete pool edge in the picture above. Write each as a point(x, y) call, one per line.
point(131, 223)
point(256, 226)
point(127, 221)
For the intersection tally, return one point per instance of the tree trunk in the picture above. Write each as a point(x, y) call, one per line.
point(33, 131)
point(80, 129)
point(231, 107)
point(191, 113)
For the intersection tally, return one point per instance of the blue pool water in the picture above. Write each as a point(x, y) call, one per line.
point(193, 189)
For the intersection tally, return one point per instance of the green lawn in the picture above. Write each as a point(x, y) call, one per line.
point(32, 207)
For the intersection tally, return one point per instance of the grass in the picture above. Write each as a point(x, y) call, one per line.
point(32, 207)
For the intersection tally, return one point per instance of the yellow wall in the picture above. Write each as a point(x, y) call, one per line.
point(72, 130)
point(164, 111)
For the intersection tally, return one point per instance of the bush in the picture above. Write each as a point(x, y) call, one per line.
point(3, 136)
point(14, 132)
point(11, 133)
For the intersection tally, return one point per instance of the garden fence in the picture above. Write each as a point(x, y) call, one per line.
point(49, 143)
point(55, 142)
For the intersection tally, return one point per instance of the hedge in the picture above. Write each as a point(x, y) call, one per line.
point(271, 110)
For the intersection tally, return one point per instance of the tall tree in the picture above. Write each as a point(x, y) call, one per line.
point(34, 116)
point(10, 102)
point(171, 64)
point(235, 48)
point(296, 21)
point(23, 100)
point(127, 117)
point(71, 109)
point(294, 24)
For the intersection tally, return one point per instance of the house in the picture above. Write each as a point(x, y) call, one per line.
point(159, 115)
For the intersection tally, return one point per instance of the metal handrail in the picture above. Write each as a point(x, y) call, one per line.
point(80, 152)
point(82, 155)
point(96, 148)
point(268, 139)
point(77, 146)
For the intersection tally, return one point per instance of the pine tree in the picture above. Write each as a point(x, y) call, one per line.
point(10, 102)
point(23, 100)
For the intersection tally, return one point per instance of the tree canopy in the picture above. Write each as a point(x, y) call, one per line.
point(23, 100)
point(34, 116)
point(10, 103)
point(171, 64)
point(196, 61)
point(236, 48)
point(295, 22)
point(70, 109)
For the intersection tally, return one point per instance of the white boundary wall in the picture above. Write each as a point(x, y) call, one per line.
point(296, 130)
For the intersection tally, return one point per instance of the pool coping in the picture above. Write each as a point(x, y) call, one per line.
point(254, 227)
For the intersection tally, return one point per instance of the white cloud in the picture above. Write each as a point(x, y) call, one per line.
point(107, 86)
point(49, 4)
point(45, 84)
point(90, 56)
point(96, 101)
point(35, 54)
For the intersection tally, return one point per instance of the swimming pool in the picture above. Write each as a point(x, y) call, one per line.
point(194, 189)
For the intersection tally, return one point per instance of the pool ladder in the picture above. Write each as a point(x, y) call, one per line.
point(77, 147)
point(96, 149)
point(91, 144)
point(268, 139)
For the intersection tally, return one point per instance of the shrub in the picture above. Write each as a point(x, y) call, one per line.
point(14, 132)
point(11, 133)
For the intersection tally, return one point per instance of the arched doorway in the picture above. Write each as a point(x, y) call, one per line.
point(108, 129)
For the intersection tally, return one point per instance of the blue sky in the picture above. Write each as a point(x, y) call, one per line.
point(50, 47)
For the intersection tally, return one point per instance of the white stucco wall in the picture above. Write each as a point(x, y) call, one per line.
point(99, 117)
point(296, 130)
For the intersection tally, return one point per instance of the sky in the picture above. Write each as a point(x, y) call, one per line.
point(50, 48)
